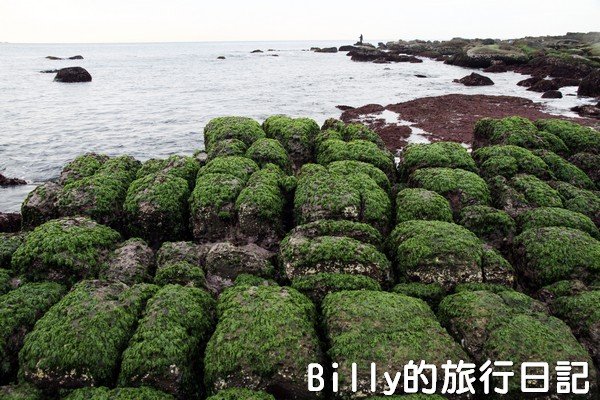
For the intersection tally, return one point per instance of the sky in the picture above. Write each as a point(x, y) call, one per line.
point(94, 21)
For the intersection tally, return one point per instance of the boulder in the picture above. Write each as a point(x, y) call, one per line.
point(440, 154)
point(543, 86)
point(10, 222)
point(297, 135)
point(256, 51)
point(530, 81)
point(4, 181)
point(552, 94)
point(587, 111)
point(496, 68)
point(73, 74)
point(221, 58)
point(76, 57)
point(590, 85)
point(54, 58)
point(326, 50)
point(40, 205)
point(475, 80)
point(130, 263)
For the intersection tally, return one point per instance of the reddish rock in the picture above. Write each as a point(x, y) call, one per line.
point(475, 80)
point(563, 82)
point(530, 81)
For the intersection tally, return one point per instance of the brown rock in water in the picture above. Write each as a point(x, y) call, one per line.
point(475, 80)
point(220, 58)
point(10, 222)
point(53, 58)
point(552, 94)
point(40, 205)
point(588, 111)
point(495, 68)
point(344, 108)
point(543, 85)
point(530, 81)
point(78, 57)
point(73, 74)
point(590, 85)
point(326, 50)
point(256, 51)
point(4, 181)
point(562, 82)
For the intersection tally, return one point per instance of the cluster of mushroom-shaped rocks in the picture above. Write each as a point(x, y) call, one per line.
point(224, 274)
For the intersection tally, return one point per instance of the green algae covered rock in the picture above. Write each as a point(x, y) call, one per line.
point(269, 151)
point(297, 135)
point(82, 166)
point(5, 281)
point(9, 243)
point(547, 255)
point(553, 216)
point(273, 349)
point(582, 314)
point(351, 167)
point(180, 273)
point(324, 194)
point(183, 167)
point(132, 262)
point(577, 138)
point(523, 192)
point(40, 205)
point(440, 154)
point(508, 161)
point(357, 150)
point(241, 128)
point(20, 392)
point(493, 226)
point(64, 250)
point(561, 288)
point(588, 163)
point(156, 208)
point(172, 252)
point(163, 352)
point(241, 394)
point(103, 393)
point(79, 341)
point(461, 188)
point(19, 309)
point(336, 129)
point(228, 147)
point(422, 204)
point(325, 227)
point(579, 200)
point(432, 293)
point(510, 326)
point(388, 329)
point(565, 171)
point(317, 286)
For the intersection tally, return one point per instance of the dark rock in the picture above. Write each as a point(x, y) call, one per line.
point(562, 82)
point(274, 55)
point(552, 94)
point(49, 71)
point(555, 67)
point(76, 58)
point(73, 74)
point(326, 50)
point(487, 42)
point(367, 54)
point(53, 58)
point(256, 51)
point(40, 205)
point(220, 58)
point(463, 60)
point(587, 111)
point(530, 81)
point(475, 80)
point(348, 48)
point(10, 222)
point(495, 68)
point(543, 85)
point(421, 76)
point(4, 181)
point(131, 263)
point(590, 85)
point(344, 108)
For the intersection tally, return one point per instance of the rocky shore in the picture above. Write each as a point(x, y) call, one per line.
point(222, 275)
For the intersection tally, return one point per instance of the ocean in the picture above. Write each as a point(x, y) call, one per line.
point(153, 100)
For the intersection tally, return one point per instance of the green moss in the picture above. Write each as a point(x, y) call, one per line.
point(564, 170)
point(350, 167)
point(269, 151)
point(240, 167)
point(361, 132)
point(507, 161)
point(552, 216)
point(78, 342)
point(536, 192)
point(579, 311)
point(579, 200)
point(357, 150)
point(64, 250)
point(355, 230)
point(387, 329)
point(265, 334)
point(19, 309)
point(102, 393)
point(40, 205)
point(422, 204)
point(489, 224)
point(253, 280)
point(296, 135)
point(81, 167)
point(156, 207)
point(241, 394)
point(20, 392)
point(462, 188)
point(125, 167)
point(244, 129)
point(228, 147)
point(180, 273)
point(548, 255)
point(183, 167)
point(578, 138)
point(317, 286)
point(5, 281)
point(436, 252)
point(563, 288)
point(432, 293)
point(9, 243)
point(588, 163)
point(476, 287)
point(440, 154)
point(163, 351)
point(173, 252)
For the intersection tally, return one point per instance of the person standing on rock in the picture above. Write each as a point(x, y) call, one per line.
point(360, 39)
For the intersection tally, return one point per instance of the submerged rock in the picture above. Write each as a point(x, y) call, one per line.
point(326, 50)
point(73, 74)
point(475, 80)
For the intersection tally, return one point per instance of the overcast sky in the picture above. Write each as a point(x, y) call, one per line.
point(44, 21)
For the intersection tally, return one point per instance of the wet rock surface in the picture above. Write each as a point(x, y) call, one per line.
point(72, 75)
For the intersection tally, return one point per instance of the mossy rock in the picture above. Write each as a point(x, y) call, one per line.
point(184, 167)
point(125, 167)
point(9, 243)
point(40, 205)
point(412, 204)
point(476, 287)
point(461, 188)
point(172, 252)
point(228, 147)
point(244, 129)
point(103, 393)
point(582, 314)
point(351, 167)
point(132, 262)
point(588, 163)
point(565, 171)
point(436, 252)
point(302, 256)
point(387, 329)
point(579, 200)
point(64, 250)
point(5, 281)
point(82, 166)
point(79, 341)
point(357, 150)
point(260, 207)
point(577, 137)
point(561, 288)
point(156, 208)
point(523, 192)
point(496, 269)
point(253, 280)
point(432, 293)
point(547, 255)
point(553, 216)
point(439, 154)
point(508, 161)
point(297, 135)
point(180, 273)
point(269, 151)
point(163, 352)
point(491, 225)
point(19, 310)
point(325, 227)
point(355, 131)
point(240, 167)
point(20, 392)
point(317, 286)
point(241, 394)
point(322, 194)
point(265, 338)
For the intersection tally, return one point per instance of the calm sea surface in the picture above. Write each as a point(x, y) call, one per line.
point(153, 100)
